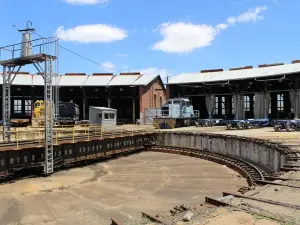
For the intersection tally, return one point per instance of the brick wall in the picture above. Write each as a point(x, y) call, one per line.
point(152, 96)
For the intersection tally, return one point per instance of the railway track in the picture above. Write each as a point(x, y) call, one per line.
point(251, 172)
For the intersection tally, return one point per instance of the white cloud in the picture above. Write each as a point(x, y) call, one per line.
point(86, 2)
point(250, 15)
point(183, 37)
point(91, 33)
point(109, 66)
point(222, 26)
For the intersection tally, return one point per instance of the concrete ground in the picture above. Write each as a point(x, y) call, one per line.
point(120, 188)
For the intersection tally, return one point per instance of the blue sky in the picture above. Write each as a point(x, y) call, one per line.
point(165, 36)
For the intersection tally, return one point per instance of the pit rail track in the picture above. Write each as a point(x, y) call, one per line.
point(251, 172)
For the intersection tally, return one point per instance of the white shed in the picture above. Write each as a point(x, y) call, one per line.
point(107, 117)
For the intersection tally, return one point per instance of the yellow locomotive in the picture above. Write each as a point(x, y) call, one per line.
point(38, 115)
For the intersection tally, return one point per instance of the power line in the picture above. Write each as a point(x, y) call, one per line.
point(81, 56)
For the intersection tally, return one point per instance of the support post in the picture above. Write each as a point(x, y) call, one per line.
point(133, 110)
point(109, 102)
point(48, 125)
point(83, 104)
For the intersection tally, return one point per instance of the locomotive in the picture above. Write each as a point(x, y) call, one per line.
point(177, 112)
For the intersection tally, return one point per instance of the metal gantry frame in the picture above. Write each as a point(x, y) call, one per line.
point(46, 63)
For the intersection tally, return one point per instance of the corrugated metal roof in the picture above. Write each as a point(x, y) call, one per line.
point(235, 75)
point(22, 79)
point(145, 79)
point(96, 80)
point(76, 80)
point(72, 80)
point(123, 80)
point(38, 80)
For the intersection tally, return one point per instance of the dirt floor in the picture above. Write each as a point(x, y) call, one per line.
point(120, 188)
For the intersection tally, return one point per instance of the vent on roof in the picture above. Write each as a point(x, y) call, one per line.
point(131, 73)
point(295, 61)
point(211, 71)
point(269, 65)
point(103, 74)
point(241, 68)
point(75, 74)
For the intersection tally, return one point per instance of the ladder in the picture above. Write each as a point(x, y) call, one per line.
point(48, 98)
point(6, 103)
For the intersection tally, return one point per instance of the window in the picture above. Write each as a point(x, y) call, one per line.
point(17, 106)
point(2, 162)
point(100, 116)
point(32, 157)
point(169, 102)
point(223, 107)
point(280, 102)
point(270, 109)
point(176, 102)
point(109, 116)
point(216, 108)
point(154, 99)
point(11, 161)
point(247, 103)
point(28, 107)
point(112, 116)
point(232, 105)
point(70, 151)
point(188, 104)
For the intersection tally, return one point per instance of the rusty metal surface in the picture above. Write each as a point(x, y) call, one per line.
point(278, 184)
point(263, 200)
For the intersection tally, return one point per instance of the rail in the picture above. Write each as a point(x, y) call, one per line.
point(28, 136)
point(251, 172)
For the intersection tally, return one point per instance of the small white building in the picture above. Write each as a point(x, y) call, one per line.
point(106, 117)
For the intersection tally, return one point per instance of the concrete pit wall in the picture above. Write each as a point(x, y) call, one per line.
point(267, 156)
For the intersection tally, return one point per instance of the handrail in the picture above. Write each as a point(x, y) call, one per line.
point(26, 136)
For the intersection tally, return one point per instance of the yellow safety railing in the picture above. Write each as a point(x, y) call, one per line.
point(36, 136)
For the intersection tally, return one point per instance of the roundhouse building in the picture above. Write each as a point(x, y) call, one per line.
point(268, 91)
point(129, 93)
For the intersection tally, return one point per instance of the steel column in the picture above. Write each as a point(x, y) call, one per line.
point(48, 99)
